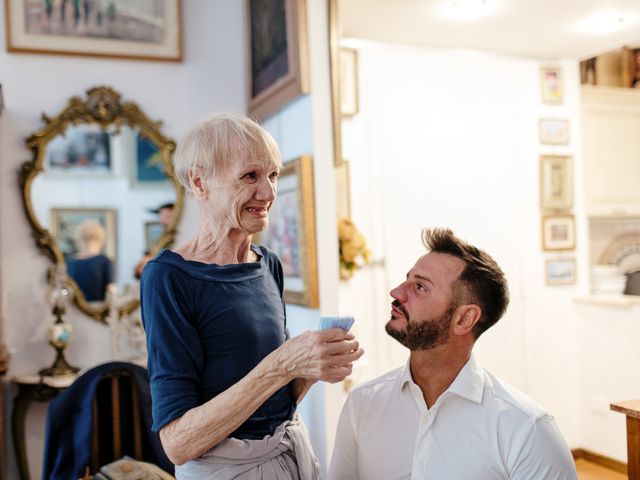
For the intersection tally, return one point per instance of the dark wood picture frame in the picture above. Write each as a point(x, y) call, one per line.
point(278, 54)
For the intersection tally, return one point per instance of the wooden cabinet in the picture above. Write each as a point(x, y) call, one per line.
point(611, 150)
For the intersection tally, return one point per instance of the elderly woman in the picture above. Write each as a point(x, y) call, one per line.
point(225, 378)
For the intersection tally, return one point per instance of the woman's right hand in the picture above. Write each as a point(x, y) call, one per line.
point(322, 355)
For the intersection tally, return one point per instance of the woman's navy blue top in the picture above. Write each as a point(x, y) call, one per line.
point(207, 326)
point(92, 274)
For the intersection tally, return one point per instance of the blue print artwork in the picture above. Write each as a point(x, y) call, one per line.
point(150, 167)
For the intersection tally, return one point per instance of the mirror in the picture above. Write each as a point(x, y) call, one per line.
point(101, 195)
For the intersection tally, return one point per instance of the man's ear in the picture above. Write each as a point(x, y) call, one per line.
point(198, 186)
point(465, 318)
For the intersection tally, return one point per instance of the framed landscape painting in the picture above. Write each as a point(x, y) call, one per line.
point(558, 232)
point(291, 232)
point(278, 64)
point(65, 223)
point(147, 30)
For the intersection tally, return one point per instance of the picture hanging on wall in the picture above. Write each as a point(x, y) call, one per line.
point(551, 85)
point(553, 131)
point(556, 182)
point(348, 82)
point(558, 232)
point(278, 66)
point(66, 221)
point(560, 271)
point(118, 28)
point(291, 232)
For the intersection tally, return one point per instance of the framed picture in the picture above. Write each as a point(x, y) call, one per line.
point(556, 182)
point(551, 85)
point(66, 221)
point(149, 163)
point(343, 190)
point(149, 30)
point(83, 149)
point(553, 131)
point(278, 64)
point(558, 232)
point(348, 82)
point(335, 34)
point(152, 232)
point(560, 271)
point(291, 232)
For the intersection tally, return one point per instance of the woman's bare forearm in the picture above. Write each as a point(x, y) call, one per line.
point(203, 427)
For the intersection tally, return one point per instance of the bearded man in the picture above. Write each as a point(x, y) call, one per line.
point(442, 416)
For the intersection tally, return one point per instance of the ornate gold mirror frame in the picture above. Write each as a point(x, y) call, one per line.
point(101, 107)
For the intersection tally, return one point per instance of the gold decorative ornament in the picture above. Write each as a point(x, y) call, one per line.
point(354, 253)
point(102, 107)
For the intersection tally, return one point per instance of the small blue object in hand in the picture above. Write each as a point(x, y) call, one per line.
point(332, 322)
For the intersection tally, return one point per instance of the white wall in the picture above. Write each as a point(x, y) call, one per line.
point(210, 78)
point(449, 138)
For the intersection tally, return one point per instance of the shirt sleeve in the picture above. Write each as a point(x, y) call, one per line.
point(175, 355)
point(344, 461)
point(543, 454)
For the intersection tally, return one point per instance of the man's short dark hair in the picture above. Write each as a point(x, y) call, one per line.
point(482, 278)
point(162, 207)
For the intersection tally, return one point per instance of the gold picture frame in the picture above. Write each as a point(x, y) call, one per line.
point(551, 90)
point(556, 182)
point(558, 232)
point(278, 54)
point(74, 28)
point(291, 232)
point(64, 222)
point(343, 190)
point(349, 103)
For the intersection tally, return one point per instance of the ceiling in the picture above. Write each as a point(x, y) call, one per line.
point(529, 28)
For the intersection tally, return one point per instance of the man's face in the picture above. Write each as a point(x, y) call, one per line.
point(423, 305)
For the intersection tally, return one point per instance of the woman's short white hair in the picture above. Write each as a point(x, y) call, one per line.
point(211, 142)
point(89, 231)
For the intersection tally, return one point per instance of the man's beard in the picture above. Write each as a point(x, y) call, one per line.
point(422, 334)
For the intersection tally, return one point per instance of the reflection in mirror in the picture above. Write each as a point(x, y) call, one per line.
point(97, 194)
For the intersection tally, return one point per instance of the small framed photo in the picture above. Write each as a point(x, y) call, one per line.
point(558, 232)
point(348, 82)
point(560, 271)
point(65, 223)
point(149, 30)
point(152, 232)
point(551, 85)
point(82, 149)
point(556, 182)
point(553, 131)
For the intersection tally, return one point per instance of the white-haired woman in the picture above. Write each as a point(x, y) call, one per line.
point(89, 267)
point(225, 380)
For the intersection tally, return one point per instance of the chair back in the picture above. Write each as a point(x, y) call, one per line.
point(103, 415)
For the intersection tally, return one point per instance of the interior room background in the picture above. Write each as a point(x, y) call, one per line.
point(443, 137)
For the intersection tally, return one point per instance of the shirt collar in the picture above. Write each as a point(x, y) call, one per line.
point(468, 384)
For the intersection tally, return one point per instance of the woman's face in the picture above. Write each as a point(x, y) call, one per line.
point(242, 192)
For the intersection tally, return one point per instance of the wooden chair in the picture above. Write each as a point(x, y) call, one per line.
point(104, 415)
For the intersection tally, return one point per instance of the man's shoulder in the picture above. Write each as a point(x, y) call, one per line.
point(381, 385)
point(508, 398)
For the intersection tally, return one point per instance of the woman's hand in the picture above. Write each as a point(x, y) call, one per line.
point(323, 355)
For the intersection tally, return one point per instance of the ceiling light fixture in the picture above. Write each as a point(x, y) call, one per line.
point(603, 22)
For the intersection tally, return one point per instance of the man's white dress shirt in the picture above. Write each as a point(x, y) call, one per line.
point(479, 429)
